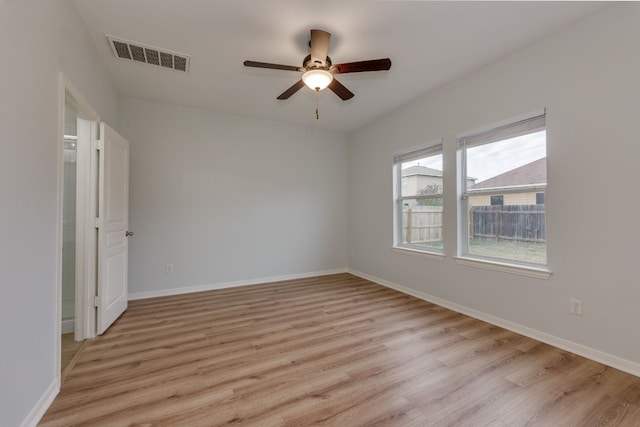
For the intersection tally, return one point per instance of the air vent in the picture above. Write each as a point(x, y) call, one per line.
point(139, 52)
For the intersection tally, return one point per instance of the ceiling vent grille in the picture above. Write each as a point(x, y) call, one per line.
point(139, 52)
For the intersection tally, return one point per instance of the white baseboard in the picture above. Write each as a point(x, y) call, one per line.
point(224, 285)
point(68, 326)
point(625, 365)
point(41, 407)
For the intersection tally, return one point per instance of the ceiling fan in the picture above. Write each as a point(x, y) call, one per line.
point(319, 71)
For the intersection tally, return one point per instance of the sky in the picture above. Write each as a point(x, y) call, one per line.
point(488, 160)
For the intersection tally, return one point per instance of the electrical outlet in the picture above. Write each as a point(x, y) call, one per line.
point(168, 268)
point(575, 307)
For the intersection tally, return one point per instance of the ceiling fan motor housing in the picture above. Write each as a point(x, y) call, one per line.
point(308, 64)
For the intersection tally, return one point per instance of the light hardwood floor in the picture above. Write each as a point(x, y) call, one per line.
point(70, 348)
point(329, 351)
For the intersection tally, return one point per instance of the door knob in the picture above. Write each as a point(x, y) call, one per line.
point(128, 233)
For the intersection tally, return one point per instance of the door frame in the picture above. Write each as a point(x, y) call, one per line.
point(86, 241)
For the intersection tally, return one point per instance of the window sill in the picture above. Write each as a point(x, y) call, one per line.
point(414, 252)
point(535, 272)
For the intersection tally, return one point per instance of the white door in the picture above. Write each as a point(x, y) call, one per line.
point(113, 220)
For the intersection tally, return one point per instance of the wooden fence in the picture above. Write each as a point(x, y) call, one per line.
point(422, 224)
point(509, 222)
point(526, 223)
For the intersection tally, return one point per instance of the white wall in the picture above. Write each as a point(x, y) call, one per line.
point(587, 77)
point(38, 39)
point(225, 198)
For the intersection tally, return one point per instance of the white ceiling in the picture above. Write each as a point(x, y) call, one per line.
point(429, 43)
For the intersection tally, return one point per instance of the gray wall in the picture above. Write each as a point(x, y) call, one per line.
point(225, 198)
point(38, 39)
point(587, 78)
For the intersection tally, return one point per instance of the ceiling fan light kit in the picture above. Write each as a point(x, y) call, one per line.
point(317, 79)
point(319, 71)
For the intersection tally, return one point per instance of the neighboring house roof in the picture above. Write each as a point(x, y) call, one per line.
point(531, 173)
point(421, 170)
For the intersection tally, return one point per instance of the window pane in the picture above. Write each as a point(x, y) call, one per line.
point(422, 176)
point(507, 222)
point(421, 218)
point(491, 160)
point(422, 223)
point(508, 232)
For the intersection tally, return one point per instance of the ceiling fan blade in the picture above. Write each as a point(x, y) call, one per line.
point(339, 89)
point(361, 66)
point(319, 46)
point(293, 89)
point(272, 66)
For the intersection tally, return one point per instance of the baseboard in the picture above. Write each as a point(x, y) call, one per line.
point(68, 326)
point(224, 285)
point(625, 365)
point(41, 407)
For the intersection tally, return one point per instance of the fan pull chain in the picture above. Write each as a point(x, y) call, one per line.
point(317, 114)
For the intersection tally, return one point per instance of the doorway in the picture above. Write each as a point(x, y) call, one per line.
point(92, 245)
point(75, 312)
point(70, 343)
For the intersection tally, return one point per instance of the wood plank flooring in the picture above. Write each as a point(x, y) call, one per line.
point(71, 350)
point(329, 351)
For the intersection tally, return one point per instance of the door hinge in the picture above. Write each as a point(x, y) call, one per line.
point(97, 144)
point(96, 301)
point(98, 222)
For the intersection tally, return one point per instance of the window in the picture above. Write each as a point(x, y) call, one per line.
point(418, 199)
point(504, 181)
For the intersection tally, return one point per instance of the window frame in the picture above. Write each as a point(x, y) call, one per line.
point(495, 198)
point(430, 149)
point(520, 126)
